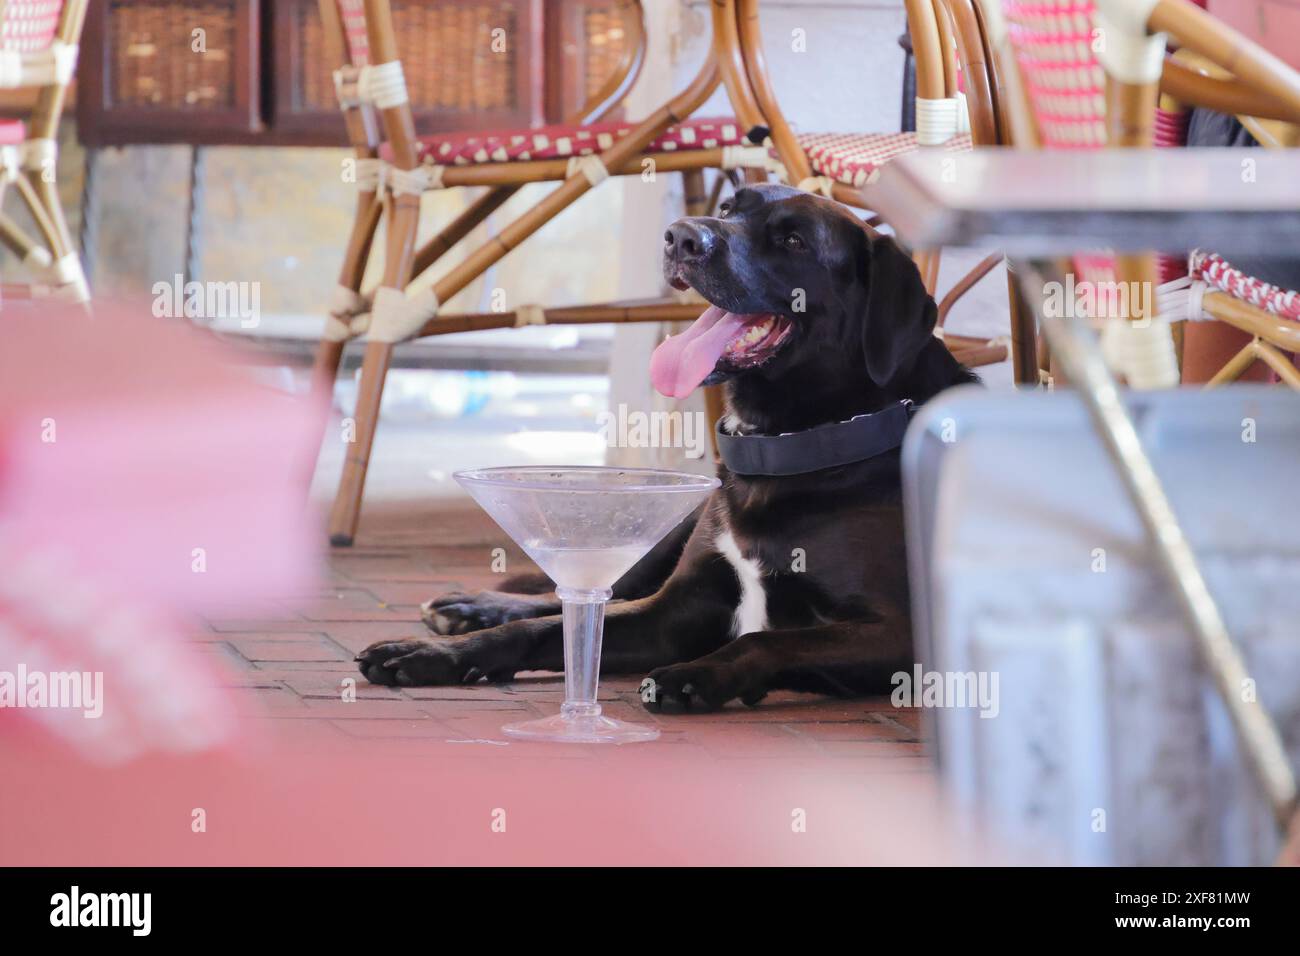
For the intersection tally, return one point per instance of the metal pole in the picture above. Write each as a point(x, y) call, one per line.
point(194, 215)
point(88, 232)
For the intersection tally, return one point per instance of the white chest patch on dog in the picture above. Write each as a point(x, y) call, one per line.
point(732, 425)
point(751, 611)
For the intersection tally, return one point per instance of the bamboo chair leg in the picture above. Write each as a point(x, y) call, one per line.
point(1178, 330)
point(365, 223)
point(329, 354)
point(48, 195)
point(1278, 362)
point(41, 198)
point(1043, 357)
point(931, 274)
point(325, 367)
point(347, 502)
point(1235, 367)
point(13, 236)
point(324, 373)
point(346, 512)
point(40, 216)
point(1024, 337)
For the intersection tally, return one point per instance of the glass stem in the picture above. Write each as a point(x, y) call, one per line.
point(584, 625)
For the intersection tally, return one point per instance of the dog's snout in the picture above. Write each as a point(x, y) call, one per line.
point(686, 241)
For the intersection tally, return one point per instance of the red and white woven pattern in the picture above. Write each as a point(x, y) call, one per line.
point(1219, 274)
point(1171, 127)
point(851, 158)
point(353, 13)
point(1052, 41)
point(564, 141)
point(28, 26)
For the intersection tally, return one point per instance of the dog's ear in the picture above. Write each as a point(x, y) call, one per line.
point(900, 315)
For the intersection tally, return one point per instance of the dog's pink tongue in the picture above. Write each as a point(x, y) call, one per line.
point(682, 361)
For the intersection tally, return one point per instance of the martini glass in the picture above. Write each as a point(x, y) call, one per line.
point(585, 527)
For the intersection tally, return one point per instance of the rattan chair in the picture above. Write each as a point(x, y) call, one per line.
point(38, 50)
point(1247, 304)
point(395, 166)
point(1053, 91)
point(839, 164)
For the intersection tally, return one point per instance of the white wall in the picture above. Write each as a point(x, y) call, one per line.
point(848, 79)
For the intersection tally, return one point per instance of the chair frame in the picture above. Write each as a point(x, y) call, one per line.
point(403, 262)
point(990, 127)
point(30, 169)
point(1190, 78)
point(934, 49)
point(1215, 68)
point(735, 61)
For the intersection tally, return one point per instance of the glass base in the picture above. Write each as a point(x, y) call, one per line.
point(586, 729)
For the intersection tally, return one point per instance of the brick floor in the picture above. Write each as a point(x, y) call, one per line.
point(289, 663)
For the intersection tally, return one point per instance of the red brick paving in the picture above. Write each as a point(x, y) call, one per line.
point(288, 663)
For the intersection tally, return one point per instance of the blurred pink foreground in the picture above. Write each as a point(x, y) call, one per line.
point(143, 477)
point(467, 805)
point(145, 481)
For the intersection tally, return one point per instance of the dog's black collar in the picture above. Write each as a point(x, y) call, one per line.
point(826, 446)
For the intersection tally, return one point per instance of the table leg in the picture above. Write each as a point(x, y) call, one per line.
point(1074, 345)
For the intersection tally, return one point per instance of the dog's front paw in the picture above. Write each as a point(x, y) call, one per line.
point(707, 685)
point(459, 613)
point(413, 663)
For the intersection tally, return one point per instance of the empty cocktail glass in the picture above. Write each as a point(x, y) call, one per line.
point(585, 527)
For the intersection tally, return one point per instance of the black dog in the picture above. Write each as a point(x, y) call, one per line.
point(797, 581)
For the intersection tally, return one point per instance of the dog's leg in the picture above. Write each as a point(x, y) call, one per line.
point(529, 582)
point(533, 594)
point(845, 658)
point(457, 612)
point(690, 616)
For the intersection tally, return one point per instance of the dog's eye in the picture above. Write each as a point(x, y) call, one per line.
point(724, 210)
point(794, 241)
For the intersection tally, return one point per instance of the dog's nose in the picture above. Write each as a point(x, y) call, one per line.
point(686, 241)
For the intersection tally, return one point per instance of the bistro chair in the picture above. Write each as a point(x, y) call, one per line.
point(1246, 303)
point(395, 166)
point(839, 164)
point(38, 50)
point(1056, 92)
